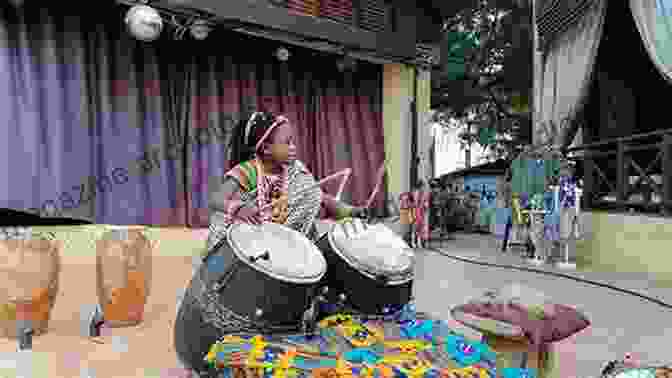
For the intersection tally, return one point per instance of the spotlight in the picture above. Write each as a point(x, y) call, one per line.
point(282, 54)
point(200, 29)
point(144, 22)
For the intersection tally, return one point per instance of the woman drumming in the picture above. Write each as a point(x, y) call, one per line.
point(267, 170)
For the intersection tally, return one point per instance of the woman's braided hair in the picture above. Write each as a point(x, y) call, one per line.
point(247, 134)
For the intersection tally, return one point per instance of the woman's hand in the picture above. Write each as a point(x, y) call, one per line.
point(359, 212)
point(281, 209)
point(249, 213)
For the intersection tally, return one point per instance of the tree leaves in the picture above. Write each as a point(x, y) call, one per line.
point(493, 79)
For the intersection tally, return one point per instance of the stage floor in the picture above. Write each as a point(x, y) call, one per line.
point(142, 351)
point(441, 283)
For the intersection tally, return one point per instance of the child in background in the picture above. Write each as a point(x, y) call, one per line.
point(407, 213)
point(421, 201)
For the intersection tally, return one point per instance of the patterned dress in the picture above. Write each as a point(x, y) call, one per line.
point(303, 209)
point(203, 316)
point(422, 202)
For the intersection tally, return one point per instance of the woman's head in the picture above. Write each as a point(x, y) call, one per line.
point(267, 136)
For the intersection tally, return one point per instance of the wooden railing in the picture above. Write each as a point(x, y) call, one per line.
point(609, 166)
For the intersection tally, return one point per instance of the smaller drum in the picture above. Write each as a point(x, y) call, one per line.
point(371, 265)
point(257, 279)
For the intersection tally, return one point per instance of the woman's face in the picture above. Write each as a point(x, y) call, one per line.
point(281, 147)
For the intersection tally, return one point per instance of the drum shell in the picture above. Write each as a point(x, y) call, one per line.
point(365, 294)
point(249, 289)
point(283, 303)
point(29, 283)
point(192, 335)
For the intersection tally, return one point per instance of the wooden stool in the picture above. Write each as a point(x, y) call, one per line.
point(518, 353)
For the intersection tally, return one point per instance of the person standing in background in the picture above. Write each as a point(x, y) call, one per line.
point(505, 202)
point(436, 205)
point(421, 200)
point(407, 215)
point(448, 207)
point(424, 230)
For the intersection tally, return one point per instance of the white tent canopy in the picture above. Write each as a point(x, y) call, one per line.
point(566, 72)
point(654, 22)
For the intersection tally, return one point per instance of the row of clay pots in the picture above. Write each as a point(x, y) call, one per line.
point(30, 265)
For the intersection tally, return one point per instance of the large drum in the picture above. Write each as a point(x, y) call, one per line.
point(370, 264)
point(259, 279)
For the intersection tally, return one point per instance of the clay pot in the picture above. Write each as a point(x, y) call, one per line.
point(124, 269)
point(29, 271)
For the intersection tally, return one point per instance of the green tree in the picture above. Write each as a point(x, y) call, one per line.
point(485, 78)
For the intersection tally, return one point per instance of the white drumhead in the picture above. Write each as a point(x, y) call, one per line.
point(323, 227)
point(382, 234)
point(293, 258)
point(374, 249)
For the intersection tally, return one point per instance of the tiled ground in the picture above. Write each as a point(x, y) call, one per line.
point(486, 248)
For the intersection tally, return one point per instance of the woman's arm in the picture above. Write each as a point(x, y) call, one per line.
point(226, 199)
point(334, 208)
point(339, 210)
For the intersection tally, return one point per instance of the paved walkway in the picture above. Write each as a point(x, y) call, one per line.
point(621, 323)
point(486, 248)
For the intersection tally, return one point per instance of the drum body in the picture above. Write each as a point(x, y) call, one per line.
point(372, 266)
point(236, 290)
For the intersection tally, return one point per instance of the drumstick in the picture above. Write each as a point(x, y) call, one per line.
point(343, 182)
point(345, 172)
point(379, 181)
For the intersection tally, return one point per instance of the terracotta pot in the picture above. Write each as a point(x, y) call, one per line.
point(124, 269)
point(29, 271)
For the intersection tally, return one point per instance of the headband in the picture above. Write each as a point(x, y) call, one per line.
point(278, 121)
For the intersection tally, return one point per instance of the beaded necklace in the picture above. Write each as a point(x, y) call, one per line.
point(267, 185)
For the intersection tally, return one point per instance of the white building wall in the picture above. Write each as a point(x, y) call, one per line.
point(449, 155)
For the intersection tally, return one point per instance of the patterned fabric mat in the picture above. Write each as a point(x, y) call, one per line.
point(413, 346)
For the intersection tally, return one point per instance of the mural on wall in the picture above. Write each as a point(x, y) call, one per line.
point(485, 186)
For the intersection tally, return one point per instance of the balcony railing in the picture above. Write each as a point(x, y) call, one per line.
point(631, 173)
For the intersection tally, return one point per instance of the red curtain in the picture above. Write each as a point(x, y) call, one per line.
point(337, 114)
point(348, 133)
point(152, 123)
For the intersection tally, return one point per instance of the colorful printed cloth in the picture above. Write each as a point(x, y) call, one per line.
point(551, 218)
point(487, 216)
point(529, 176)
point(517, 207)
point(502, 218)
point(567, 192)
point(410, 345)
